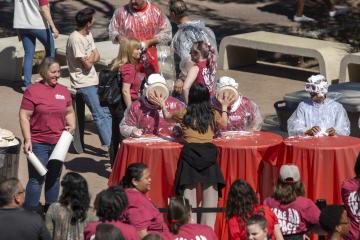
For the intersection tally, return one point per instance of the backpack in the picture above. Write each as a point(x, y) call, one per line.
point(109, 88)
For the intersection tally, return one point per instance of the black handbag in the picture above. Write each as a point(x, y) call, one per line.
point(109, 89)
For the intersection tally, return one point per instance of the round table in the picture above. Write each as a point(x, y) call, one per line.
point(324, 163)
point(239, 157)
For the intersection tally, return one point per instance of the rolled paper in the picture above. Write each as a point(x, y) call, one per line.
point(62, 147)
point(37, 164)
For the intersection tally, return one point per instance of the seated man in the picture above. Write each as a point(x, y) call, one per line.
point(319, 115)
point(145, 117)
point(243, 114)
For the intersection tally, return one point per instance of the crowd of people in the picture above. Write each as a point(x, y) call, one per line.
point(199, 109)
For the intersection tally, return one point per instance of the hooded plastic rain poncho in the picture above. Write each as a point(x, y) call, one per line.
point(143, 25)
point(182, 42)
point(325, 115)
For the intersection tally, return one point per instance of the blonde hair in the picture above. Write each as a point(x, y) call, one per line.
point(45, 65)
point(125, 55)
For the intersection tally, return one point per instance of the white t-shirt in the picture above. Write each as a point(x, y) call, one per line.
point(79, 46)
point(27, 15)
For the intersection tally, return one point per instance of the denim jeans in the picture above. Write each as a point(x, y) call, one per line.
point(101, 115)
point(29, 37)
point(51, 179)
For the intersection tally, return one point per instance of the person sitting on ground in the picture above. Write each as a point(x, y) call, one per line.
point(241, 204)
point(108, 232)
point(300, 17)
point(16, 222)
point(144, 116)
point(109, 205)
point(256, 228)
point(350, 193)
point(288, 201)
point(319, 115)
point(67, 218)
point(179, 220)
point(334, 220)
point(141, 212)
point(189, 31)
point(243, 114)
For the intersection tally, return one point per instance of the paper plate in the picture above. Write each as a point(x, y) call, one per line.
point(158, 88)
point(227, 89)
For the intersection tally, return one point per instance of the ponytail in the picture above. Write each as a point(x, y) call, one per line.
point(178, 214)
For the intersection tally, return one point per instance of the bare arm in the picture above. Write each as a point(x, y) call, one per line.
point(24, 116)
point(126, 94)
point(45, 12)
point(190, 79)
point(70, 119)
point(277, 232)
point(89, 61)
point(225, 100)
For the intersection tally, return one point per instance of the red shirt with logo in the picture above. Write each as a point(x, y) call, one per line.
point(204, 76)
point(194, 231)
point(350, 198)
point(49, 106)
point(295, 217)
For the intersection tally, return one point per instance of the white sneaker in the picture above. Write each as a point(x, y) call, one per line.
point(303, 18)
point(338, 12)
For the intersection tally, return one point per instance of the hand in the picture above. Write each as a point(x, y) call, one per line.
point(313, 131)
point(157, 99)
point(331, 131)
point(70, 129)
point(27, 146)
point(136, 132)
point(226, 99)
point(55, 32)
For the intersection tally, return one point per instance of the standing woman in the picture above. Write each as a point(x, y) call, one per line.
point(45, 112)
point(33, 21)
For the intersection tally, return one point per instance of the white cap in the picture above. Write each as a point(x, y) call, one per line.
point(156, 82)
point(289, 173)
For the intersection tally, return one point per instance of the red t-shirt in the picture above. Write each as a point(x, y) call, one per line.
point(194, 231)
point(350, 198)
point(128, 231)
point(204, 76)
point(134, 78)
point(43, 2)
point(142, 213)
point(49, 106)
point(237, 231)
point(295, 217)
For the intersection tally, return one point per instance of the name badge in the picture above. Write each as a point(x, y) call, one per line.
point(59, 96)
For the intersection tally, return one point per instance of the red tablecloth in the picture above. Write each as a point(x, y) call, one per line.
point(239, 157)
point(324, 163)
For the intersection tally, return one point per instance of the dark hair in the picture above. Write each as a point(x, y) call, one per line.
point(287, 192)
point(84, 16)
point(110, 203)
point(357, 173)
point(45, 65)
point(179, 8)
point(241, 200)
point(108, 232)
point(75, 193)
point(330, 217)
point(8, 189)
point(257, 219)
point(133, 171)
point(199, 115)
point(178, 213)
point(153, 236)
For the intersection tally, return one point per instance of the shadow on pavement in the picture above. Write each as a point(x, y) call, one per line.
point(85, 165)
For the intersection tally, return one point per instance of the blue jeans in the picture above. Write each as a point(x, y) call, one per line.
point(51, 179)
point(29, 37)
point(101, 115)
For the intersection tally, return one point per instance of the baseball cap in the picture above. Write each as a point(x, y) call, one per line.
point(289, 173)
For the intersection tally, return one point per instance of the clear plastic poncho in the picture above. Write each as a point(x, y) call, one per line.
point(143, 25)
point(183, 40)
point(325, 115)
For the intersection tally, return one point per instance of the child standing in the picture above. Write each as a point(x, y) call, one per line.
point(204, 69)
point(198, 160)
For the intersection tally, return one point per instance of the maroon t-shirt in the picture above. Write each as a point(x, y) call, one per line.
point(142, 213)
point(128, 231)
point(134, 78)
point(49, 106)
point(294, 217)
point(204, 77)
point(194, 231)
point(350, 198)
point(43, 2)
